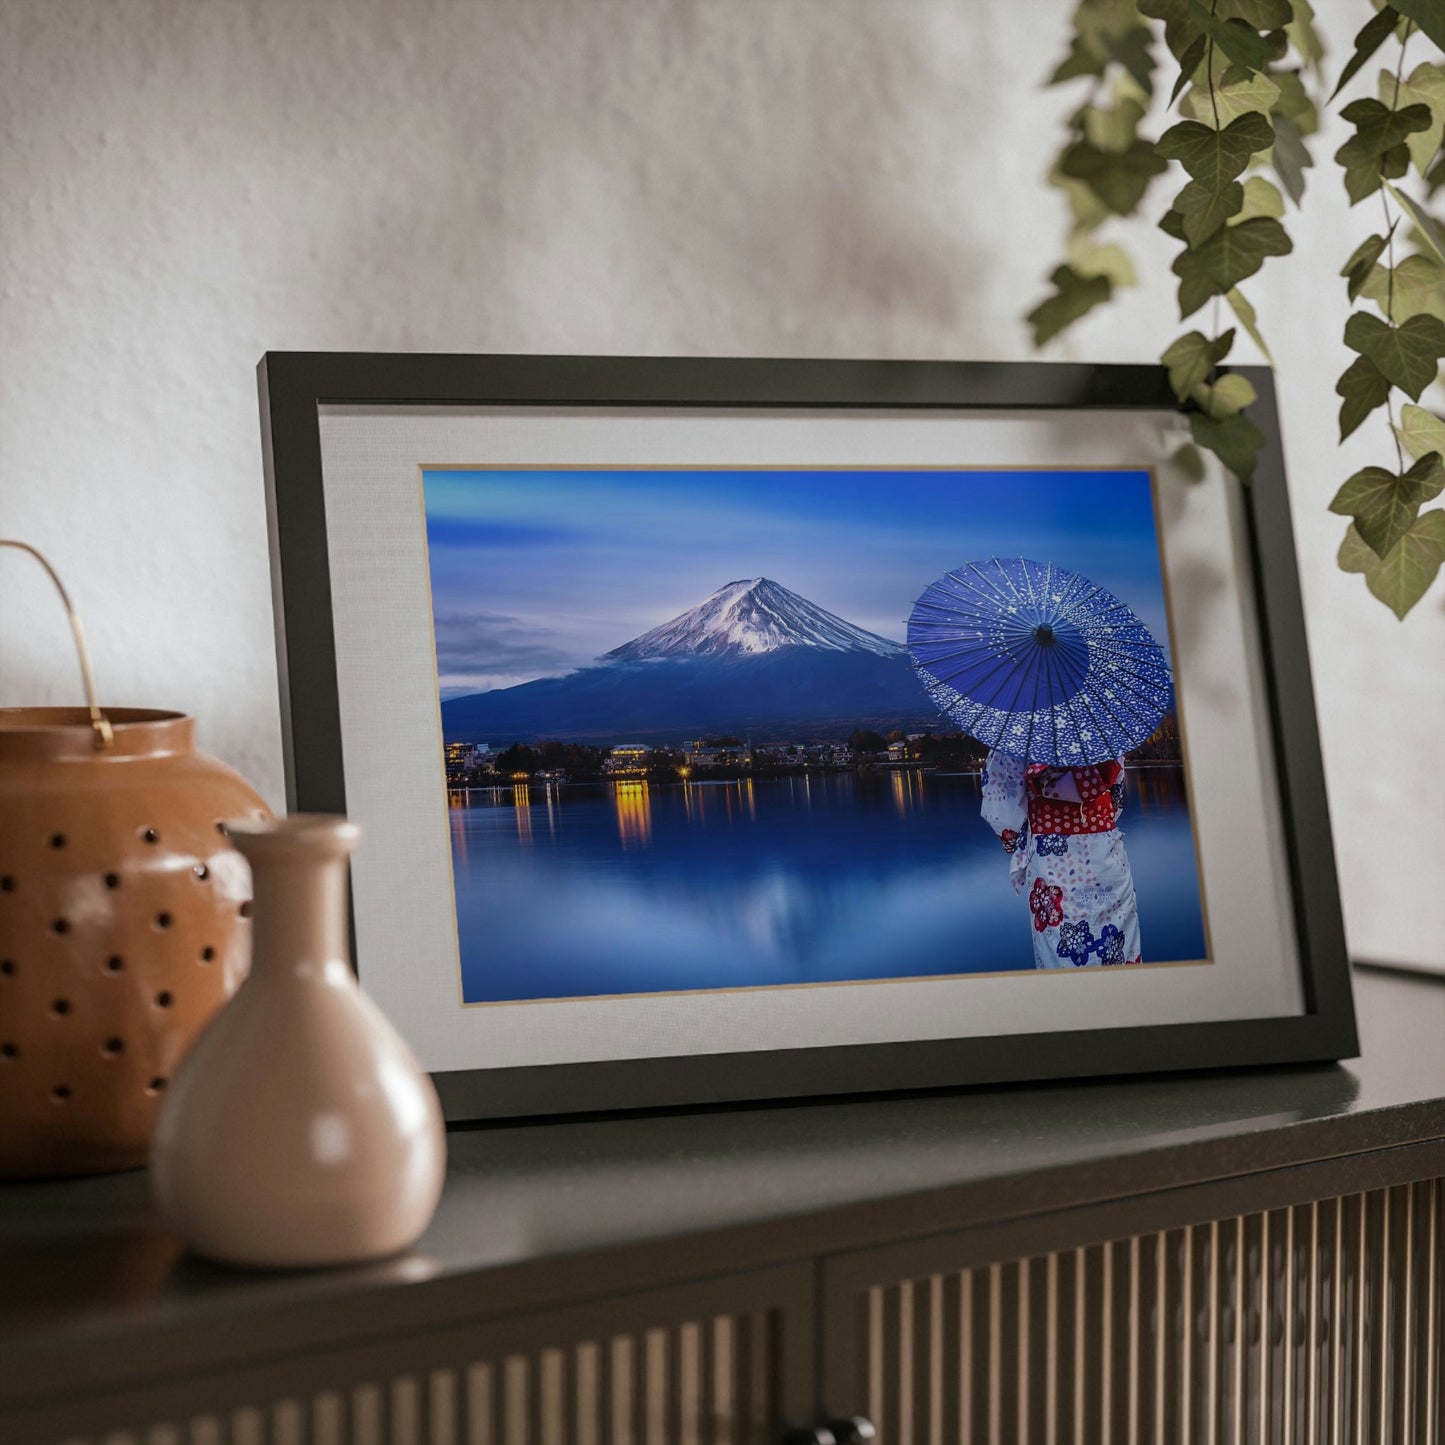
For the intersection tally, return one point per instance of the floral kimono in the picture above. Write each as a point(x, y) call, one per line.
point(1059, 827)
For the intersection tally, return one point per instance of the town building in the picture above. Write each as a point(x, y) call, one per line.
point(627, 759)
point(463, 759)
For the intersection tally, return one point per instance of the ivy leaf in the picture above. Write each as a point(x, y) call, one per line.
point(1427, 225)
point(1303, 35)
point(1426, 86)
point(1242, 309)
point(1075, 296)
point(1429, 15)
point(1192, 357)
point(1362, 261)
point(1226, 396)
point(1216, 157)
point(1118, 178)
point(1088, 211)
point(1294, 101)
point(1363, 388)
point(1364, 179)
point(1238, 39)
point(1435, 176)
point(1101, 20)
point(1230, 255)
point(1403, 577)
point(1089, 258)
point(1356, 554)
point(1261, 199)
point(1235, 440)
point(1113, 128)
point(1420, 431)
point(1384, 506)
point(1371, 37)
point(1291, 157)
point(1262, 14)
point(1082, 59)
point(1172, 224)
point(1407, 355)
point(1238, 92)
point(1379, 129)
point(1181, 26)
point(1189, 62)
point(1418, 288)
point(1205, 211)
point(1377, 149)
point(1134, 52)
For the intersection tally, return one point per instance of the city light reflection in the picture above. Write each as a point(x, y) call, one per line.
point(907, 791)
point(634, 813)
point(457, 822)
point(522, 802)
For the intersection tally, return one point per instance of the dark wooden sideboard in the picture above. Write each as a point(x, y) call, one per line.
point(1246, 1256)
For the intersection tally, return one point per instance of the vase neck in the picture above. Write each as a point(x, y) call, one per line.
point(300, 914)
point(299, 879)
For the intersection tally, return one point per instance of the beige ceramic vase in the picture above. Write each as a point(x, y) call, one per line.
point(299, 1130)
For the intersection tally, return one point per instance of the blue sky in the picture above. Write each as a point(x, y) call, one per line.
point(537, 573)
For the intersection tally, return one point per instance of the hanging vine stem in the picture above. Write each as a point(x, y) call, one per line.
point(1228, 226)
point(1390, 223)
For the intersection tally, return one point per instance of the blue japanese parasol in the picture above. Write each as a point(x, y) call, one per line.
point(1037, 662)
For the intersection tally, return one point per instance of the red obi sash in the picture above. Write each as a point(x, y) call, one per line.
point(1072, 800)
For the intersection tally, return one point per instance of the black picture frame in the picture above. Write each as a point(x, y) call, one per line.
point(294, 386)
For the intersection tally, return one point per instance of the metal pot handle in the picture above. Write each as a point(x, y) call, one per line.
point(104, 737)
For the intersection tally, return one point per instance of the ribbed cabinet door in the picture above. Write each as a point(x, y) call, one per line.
point(719, 1362)
point(1311, 1324)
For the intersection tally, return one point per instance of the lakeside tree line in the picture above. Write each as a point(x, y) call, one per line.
point(864, 746)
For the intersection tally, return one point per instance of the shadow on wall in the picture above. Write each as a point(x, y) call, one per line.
point(666, 180)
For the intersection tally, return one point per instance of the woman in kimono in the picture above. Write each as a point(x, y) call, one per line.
point(1059, 827)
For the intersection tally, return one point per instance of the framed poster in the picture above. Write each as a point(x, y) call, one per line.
point(744, 729)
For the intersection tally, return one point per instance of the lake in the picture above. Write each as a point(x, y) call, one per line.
point(568, 891)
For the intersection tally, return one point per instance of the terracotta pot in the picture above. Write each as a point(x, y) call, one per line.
point(123, 926)
point(299, 1130)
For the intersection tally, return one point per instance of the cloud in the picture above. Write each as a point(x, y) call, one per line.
point(477, 645)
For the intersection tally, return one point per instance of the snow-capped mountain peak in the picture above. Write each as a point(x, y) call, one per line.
point(751, 616)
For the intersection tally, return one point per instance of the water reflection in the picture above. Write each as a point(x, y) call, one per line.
point(634, 814)
point(457, 824)
point(1155, 784)
point(638, 887)
point(907, 790)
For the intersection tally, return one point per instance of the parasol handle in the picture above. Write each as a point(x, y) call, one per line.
point(104, 737)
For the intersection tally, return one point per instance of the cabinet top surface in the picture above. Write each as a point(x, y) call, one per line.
point(529, 1207)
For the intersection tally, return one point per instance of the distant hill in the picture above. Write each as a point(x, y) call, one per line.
point(754, 659)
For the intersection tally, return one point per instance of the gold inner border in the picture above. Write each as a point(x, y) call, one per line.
point(1161, 548)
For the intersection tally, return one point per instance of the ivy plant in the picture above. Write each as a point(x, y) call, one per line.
point(1240, 149)
point(1395, 538)
point(1106, 166)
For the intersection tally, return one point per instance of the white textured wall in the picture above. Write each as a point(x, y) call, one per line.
point(185, 185)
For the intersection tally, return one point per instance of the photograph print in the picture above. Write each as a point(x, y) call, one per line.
point(712, 729)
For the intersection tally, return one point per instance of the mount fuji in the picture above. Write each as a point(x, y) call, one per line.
point(747, 618)
point(754, 659)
